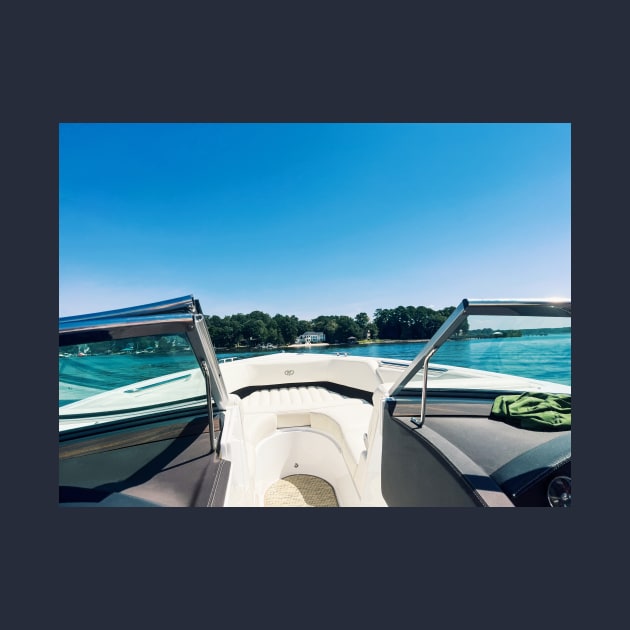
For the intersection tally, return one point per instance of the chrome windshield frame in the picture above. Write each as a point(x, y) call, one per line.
point(180, 315)
point(184, 304)
point(530, 308)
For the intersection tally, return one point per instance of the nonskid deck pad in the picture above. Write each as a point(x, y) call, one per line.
point(301, 491)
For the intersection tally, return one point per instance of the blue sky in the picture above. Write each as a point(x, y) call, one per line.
point(312, 219)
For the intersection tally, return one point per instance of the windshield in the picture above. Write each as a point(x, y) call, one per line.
point(106, 380)
point(496, 345)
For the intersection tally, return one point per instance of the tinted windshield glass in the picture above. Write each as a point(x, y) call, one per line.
point(105, 380)
point(531, 347)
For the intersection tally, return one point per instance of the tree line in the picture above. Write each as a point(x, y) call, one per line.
point(258, 328)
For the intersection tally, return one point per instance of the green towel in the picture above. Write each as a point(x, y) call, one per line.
point(534, 410)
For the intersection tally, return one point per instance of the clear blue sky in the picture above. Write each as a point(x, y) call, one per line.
point(312, 219)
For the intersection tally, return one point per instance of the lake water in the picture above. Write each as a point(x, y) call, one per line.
point(542, 357)
point(546, 357)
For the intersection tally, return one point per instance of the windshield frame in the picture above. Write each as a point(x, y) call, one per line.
point(557, 307)
point(182, 316)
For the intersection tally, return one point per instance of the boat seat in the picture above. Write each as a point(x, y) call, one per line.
point(288, 399)
point(346, 420)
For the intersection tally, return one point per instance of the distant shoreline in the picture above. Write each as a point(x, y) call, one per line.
point(394, 341)
point(324, 344)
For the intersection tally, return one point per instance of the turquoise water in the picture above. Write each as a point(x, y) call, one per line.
point(544, 357)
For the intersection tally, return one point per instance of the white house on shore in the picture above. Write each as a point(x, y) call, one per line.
point(311, 336)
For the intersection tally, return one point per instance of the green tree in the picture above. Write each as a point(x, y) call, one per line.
point(163, 345)
point(347, 327)
point(402, 322)
point(287, 327)
point(254, 331)
point(362, 321)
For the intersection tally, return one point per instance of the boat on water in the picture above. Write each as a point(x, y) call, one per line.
point(309, 429)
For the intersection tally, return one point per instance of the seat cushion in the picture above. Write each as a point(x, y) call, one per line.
point(294, 399)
